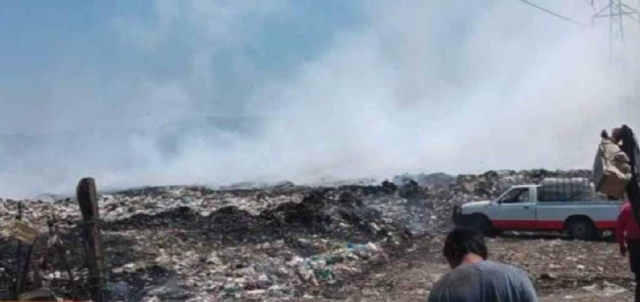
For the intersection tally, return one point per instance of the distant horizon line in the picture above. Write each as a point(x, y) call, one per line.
point(266, 184)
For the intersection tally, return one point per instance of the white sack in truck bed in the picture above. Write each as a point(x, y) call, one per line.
point(565, 189)
point(611, 171)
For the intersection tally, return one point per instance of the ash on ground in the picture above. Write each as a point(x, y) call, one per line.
point(288, 242)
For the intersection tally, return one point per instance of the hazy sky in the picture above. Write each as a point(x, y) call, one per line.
point(127, 91)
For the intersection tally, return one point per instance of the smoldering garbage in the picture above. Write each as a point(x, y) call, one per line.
point(272, 243)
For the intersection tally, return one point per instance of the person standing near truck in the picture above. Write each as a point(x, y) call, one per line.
point(628, 236)
point(625, 138)
point(473, 278)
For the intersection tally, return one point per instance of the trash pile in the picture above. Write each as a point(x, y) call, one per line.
point(424, 203)
point(272, 243)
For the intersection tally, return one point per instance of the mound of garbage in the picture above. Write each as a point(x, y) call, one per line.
point(272, 243)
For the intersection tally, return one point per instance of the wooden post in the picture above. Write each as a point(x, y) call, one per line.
point(37, 275)
point(17, 285)
point(88, 200)
point(25, 269)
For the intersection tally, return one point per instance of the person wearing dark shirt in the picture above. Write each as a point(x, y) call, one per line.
point(625, 137)
point(474, 278)
point(628, 237)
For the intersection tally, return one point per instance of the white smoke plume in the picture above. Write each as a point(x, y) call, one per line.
point(410, 86)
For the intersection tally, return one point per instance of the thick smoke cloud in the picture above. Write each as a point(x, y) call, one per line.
point(410, 86)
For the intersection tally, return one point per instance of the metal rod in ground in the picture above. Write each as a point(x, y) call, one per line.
point(63, 253)
point(37, 275)
point(25, 270)
point(58, 248)
point(16, 288)
point(88, 200)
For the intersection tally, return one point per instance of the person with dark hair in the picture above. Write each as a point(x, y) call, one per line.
point(474, 278)
point(628, 144)
point(626, 139)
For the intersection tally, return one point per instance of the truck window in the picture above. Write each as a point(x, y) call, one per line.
point(516, 196)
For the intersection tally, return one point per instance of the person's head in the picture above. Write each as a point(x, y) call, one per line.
point(462, 243)
point(604, 134)
point(615, 134)
point(626, 136)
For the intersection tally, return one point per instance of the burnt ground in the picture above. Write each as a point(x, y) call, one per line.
point(292, 243)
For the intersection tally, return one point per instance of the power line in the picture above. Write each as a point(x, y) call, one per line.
point(617, 11)
point(554, 13)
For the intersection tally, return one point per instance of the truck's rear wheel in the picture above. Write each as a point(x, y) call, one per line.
point(482, 224)
point(580, 228)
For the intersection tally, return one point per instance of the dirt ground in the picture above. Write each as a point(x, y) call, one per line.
point(563, 270)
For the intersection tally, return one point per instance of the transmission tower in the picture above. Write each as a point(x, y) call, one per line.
point(617, 11)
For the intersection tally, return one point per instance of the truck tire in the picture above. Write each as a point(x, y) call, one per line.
point(580, 228)
point(481, 223)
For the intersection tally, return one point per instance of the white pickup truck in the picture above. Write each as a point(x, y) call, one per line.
point(520, 208)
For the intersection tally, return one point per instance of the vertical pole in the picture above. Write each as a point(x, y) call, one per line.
point(610, 32)
point(16, 289)
point(25, 269)
point(59, 248)
point(37, 275)
point(621, 19)
point(88, 200)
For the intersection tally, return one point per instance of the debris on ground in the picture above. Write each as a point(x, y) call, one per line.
point(285, 242)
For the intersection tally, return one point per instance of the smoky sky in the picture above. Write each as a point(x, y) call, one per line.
point(216, 92)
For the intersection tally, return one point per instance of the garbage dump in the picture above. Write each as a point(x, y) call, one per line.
point(274, 243)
